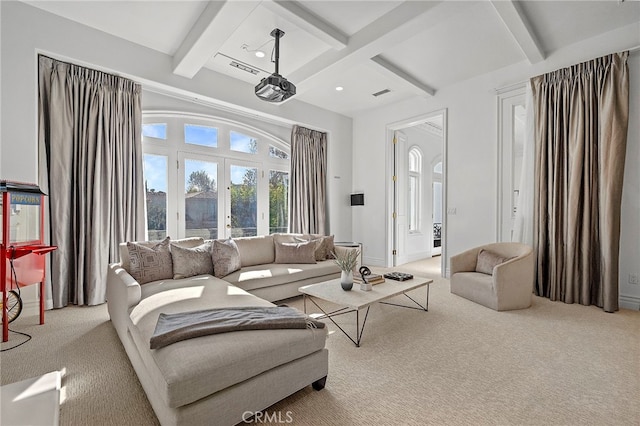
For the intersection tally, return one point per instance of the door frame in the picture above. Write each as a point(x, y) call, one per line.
point(390, 183)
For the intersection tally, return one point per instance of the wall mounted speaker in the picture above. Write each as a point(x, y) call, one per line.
point(357, 199)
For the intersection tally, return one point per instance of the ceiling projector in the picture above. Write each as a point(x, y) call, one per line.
point(275, 88)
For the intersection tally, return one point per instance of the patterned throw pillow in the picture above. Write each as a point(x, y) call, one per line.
point(328, 246)
point(225, 256)
point(303, 252)
point(150, 263)
point(487, 260)
point(188, 262)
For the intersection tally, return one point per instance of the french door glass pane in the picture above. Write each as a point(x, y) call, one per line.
point(201, 199)
point(155, 182)
point(244, 201)
point(414, 202)
point(278, 201)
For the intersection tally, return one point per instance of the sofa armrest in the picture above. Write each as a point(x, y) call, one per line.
point(123, 292)
point(517, 270)
point(465, 261)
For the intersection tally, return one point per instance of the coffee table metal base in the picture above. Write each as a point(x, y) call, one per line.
point(346, 310)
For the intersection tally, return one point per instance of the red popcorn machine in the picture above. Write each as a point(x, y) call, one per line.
point(21, 247)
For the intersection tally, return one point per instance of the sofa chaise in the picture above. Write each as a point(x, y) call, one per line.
point(220, 379)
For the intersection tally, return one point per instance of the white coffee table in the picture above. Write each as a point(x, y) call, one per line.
point(356, 299)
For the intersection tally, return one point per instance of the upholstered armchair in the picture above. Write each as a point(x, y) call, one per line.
point(498, 275)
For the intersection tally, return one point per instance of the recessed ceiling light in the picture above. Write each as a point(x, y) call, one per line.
point(339, 88)
point(259, 53)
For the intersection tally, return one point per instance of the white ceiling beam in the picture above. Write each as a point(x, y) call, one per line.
point(399, 24)
point(212, 29)
point(519, 27)
point(391, 71)
point(309, 22)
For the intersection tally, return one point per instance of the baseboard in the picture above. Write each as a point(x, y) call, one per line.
point(629, 302)
point(373, 261)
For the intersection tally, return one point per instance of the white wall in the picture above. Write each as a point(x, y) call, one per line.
point(471, 168)
point(27, 31)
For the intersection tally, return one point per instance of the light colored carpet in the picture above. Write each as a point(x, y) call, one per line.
point(458, 364)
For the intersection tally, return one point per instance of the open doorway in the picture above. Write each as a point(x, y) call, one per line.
point(417, 195)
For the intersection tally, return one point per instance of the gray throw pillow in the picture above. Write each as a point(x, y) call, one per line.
point(150, 263)
point(188, 262)
point(487, 260)
point(303, 252)
point(225, 256)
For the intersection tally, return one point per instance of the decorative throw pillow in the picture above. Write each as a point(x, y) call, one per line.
point(328, 246)
point(487, 260)
point(188, 262)
point(225, 256)
point(303, 252)
point(148, 264)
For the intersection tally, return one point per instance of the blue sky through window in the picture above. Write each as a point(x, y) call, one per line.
point(191, 166)
point(155, 172)
point(242, 143)
point(155, 130)
point(201, 135)
point(237, 174)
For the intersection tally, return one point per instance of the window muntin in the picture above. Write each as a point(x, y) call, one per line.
point(155, 130)
point(196, 134)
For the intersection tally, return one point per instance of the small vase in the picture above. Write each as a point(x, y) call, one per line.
point(346, 280)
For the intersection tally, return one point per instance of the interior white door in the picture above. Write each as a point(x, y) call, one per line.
point(401, 185)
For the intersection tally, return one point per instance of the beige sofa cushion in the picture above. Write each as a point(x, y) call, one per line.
point(303, 252)
point(256, 250)
point(187, 371)
point(261, 276)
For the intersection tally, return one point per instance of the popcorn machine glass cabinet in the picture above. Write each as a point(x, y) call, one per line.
point(24, 217)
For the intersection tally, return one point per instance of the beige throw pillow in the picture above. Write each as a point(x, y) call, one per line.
point(188, 262)
point(487, 260)
point(226, 257)
point(148, 264)
point(303, 252)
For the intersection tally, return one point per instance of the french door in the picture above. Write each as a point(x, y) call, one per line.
point(223, 197)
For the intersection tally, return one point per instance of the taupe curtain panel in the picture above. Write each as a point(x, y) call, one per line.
point(90, 131)
point(308, 181)
point(581, 118)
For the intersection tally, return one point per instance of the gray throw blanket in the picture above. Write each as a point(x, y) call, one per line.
point(172, 328)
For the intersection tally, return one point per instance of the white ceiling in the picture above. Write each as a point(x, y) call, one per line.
point(411, 48)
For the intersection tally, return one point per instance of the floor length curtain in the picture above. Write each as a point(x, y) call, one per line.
point(581, 132)
point(308, 181)
point(90, 130)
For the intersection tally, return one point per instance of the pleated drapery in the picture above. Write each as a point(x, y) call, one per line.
point(308, 181)
point(90, 131)
point(581, 115)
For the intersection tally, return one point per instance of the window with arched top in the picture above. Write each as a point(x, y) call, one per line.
point(213, 178)
point(415, 193)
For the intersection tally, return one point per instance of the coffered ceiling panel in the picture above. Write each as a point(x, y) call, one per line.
point(412, 48)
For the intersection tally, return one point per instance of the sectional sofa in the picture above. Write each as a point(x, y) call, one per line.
point(220, 379)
